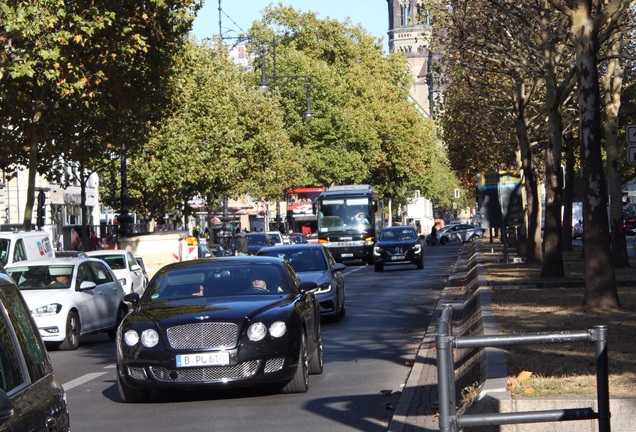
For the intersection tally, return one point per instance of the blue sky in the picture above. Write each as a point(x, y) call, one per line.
point(237, 15)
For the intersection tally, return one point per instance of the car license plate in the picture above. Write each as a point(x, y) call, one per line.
point(347, 255)
point(203, 359)
point(397, 257)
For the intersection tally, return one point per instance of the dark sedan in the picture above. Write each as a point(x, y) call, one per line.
point(220, 322)
point(314, 263)
point(255, 241)
point(398, 244)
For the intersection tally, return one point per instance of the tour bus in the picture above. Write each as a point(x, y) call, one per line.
point(346, 221)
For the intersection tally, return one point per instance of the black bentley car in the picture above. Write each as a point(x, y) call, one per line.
point(219, 322)
point(398, 244)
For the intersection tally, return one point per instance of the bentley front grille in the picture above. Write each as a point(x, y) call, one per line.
point(202, 374)
point(203, 335)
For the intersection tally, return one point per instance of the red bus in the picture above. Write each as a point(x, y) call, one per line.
point(300, 209)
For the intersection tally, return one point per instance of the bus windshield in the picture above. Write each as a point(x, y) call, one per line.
point(337, 214)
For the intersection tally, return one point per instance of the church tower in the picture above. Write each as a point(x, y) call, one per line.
point(410, 33)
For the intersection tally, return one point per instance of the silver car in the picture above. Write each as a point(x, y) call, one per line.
point(70, 297)
point(460, 233)
point(125, 267)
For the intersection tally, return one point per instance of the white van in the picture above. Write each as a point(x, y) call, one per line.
point(25, 245)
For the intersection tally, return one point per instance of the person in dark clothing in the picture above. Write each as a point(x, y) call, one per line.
point(241, 244)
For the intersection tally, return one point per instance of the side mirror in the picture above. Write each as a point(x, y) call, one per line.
point(307, 286)
point(132, 299)
point(6, 408)
point(339, 267)
point(87, 285)
point(135, 267)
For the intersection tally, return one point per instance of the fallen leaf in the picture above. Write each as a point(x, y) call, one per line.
point(524, 375)
point(386, 392)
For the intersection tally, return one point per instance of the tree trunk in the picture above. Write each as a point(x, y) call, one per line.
point(612, 83)
point(533, 210)
point(33, 166)
point(552, 248)
point(600, 280)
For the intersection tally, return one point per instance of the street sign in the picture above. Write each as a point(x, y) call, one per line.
point(631, 155)
point(631, 134)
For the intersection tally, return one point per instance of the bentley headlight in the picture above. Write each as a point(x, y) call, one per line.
point(278, 329)
point(49, 309)
point(256, 331)
point(149, 338)
point(324, 288)
point(131, 337)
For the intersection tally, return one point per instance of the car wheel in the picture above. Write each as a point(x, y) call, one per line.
point(73, 327)
point(121, 313)
point(300, 382)
point(316, 364)
point(131, 395)
point(343, 306)
point(443, 240)
point(379, 267)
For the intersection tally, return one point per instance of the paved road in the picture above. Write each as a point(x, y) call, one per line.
point(368, 355)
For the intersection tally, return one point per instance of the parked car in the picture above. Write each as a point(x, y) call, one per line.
point(398, 244)
point(577, 230)
point(256, 240)
point(124, 265)
point(459, 233)
point(221, 322)
point(70, 297)
point(629, 226)
point(314, 263)
point(31, 397)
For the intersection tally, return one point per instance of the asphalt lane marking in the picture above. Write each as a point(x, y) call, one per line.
point(85, 378)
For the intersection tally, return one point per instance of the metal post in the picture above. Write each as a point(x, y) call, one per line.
point(123, 214)
point(445, 380)
point(599, 335)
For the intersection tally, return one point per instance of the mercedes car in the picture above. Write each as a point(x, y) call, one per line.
point(398, 244)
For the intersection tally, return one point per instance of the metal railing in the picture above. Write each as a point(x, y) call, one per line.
point(445, 342)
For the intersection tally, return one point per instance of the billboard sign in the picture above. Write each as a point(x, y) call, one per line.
point(500, 199)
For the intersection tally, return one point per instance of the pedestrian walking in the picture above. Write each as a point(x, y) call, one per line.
point(242, 244)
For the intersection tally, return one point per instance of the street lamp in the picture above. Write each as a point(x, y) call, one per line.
point(266, 83)
point(124, 216)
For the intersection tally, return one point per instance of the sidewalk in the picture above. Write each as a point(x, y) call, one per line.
point(418, 406)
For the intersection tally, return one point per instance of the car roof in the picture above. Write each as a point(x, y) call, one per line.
point(292, 247)
point(246, 259)
point(107, 252)
point(398, 228)
point(51, 261)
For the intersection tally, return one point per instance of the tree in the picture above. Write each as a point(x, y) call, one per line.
point(364, 129)
point(591, 24)
point(89, 59)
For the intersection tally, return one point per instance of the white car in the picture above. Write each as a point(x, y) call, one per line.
point(70, 297)
point(459, 233)
point(125, 267)
point(276, 238)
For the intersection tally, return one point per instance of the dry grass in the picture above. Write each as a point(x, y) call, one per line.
point(563, 369)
